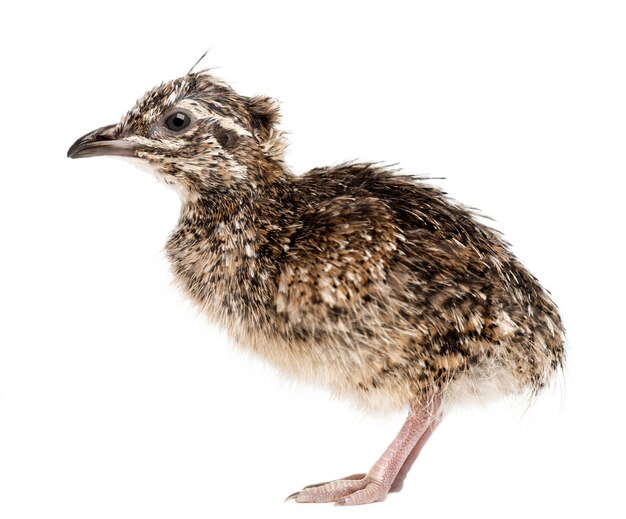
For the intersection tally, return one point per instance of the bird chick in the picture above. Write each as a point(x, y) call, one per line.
point(371, 283)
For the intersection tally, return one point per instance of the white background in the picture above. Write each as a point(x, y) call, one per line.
point(118, 400)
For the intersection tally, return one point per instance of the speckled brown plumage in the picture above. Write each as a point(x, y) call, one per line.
point(369, 282)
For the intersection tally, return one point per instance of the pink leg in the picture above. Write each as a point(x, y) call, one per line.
point(388, 472)
point(398, 483)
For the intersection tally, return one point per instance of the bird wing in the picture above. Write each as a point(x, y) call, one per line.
point(337, 259)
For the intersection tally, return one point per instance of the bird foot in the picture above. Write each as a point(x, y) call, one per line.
point(358, 489)
point(388, 472)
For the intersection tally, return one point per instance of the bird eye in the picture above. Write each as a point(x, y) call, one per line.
point(178, 121)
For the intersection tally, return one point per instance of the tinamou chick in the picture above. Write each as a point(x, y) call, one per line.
point(370, 283)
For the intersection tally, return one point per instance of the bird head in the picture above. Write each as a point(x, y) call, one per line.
point(196, 133)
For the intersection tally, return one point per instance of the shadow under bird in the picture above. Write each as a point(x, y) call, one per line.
point(371, 283)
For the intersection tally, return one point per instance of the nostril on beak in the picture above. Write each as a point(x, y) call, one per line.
point(106, 133)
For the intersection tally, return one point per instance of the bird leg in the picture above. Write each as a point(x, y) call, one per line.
point(398, 483)
point(388, 472)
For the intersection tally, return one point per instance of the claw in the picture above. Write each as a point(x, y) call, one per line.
point(293, 496)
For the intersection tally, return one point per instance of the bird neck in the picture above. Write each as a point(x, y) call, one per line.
point(215, 203)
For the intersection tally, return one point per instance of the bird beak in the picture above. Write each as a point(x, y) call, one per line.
point(102, 141)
